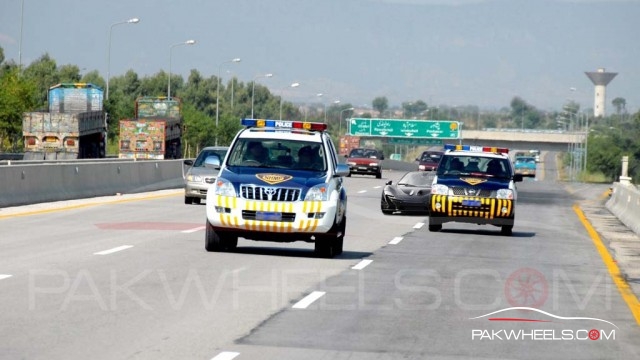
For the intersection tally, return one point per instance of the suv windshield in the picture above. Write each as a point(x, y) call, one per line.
point(476, 165)
point(280, 154)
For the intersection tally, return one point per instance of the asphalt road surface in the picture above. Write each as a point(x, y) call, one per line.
point(128, 278)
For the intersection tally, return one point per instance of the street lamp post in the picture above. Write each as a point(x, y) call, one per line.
point(130, 21)
point(236, 60)
point(188, 42)
point(340, 127)
point(253, 88)
point(294, 85)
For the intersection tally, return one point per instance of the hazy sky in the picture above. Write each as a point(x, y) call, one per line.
point(457, 52)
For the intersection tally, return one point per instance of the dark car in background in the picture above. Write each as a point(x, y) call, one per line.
point(411, 193)
point(429, 160)
point(199, 177)
point(365, 161)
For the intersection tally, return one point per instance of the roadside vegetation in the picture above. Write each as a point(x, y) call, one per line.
point(609, 139)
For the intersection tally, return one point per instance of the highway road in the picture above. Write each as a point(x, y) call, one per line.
point(128, 278)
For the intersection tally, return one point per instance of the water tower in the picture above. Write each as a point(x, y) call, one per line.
point(600, 79)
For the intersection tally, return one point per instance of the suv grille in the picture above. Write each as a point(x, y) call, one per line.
point(253, 192)
point(251, 215)
point(463, 191)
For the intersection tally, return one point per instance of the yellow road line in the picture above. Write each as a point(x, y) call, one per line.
point(623, 287)
point(80, 206)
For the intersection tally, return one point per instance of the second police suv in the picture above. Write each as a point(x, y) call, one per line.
point(474, 184)
point(280, 181)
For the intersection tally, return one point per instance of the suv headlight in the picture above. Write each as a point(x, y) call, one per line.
point(504, 194)
point(438, 189)
point(373, 164)
point(224, 187)
point(319, 192)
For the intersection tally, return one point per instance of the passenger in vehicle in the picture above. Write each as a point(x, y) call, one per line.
point(308, 158)
point(494, 167)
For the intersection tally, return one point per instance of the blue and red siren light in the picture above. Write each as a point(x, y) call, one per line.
point(283, 124)
point(487, 149)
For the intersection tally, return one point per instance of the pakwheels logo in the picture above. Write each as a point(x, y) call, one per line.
point(540, 334)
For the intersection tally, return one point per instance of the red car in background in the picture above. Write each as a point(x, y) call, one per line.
point(365, 161)
point(429, 160)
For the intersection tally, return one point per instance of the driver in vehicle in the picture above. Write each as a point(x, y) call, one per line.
point(256, 152)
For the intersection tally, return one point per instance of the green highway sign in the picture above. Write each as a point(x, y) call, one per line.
point(414, 141)
point(430, 129)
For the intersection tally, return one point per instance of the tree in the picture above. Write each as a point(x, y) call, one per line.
point(69, 74)
point(380, 104)
point(411, 110)
point(620, 104)
point(17, 95)
point(44, 74)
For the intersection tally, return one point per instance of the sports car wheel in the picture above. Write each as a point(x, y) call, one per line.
point(385, 207)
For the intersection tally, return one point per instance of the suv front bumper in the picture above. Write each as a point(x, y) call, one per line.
point(477, 210)
point(242, 215)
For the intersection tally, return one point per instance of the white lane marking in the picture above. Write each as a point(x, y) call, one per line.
point(362, 264)
point(111, 251)
point(377, 187)
point(418, 225)
point(226, 355)
point(362, 191)
point(5, 276)
point(396, 240)
point(193, 230)
point(308, 300)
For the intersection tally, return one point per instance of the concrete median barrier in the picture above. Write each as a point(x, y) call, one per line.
point(23, 184)
point(625, 205)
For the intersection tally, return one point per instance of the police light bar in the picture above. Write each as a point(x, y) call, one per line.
point(283, 124)
point(489, 149)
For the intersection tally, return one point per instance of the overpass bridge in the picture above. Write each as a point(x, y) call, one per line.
point(545, 140)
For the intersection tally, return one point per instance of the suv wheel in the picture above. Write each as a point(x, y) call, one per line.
point(434, 225)
point(219, 242)
point(506, 230)
point(331, 244)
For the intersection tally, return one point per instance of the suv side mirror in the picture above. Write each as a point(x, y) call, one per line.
point(212, 161)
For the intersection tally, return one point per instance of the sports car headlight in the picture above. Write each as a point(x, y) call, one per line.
point(439, 189)
point(194, 178)
point(223, 187)
point(317, 193)
point(505, 194)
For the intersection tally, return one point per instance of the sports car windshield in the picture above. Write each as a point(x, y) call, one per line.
point(474, 165)
point(421, 179)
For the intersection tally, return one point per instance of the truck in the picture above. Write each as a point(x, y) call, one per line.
point(155, 131)
point(74, 127)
